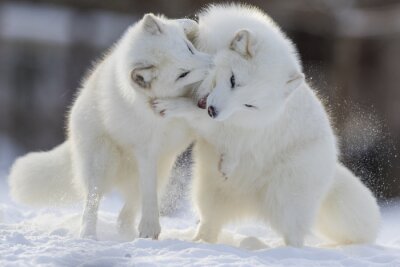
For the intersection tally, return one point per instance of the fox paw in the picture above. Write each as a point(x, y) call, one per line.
point(220, 163)
point(127, 232)
point(225, 167)
point(206, 234)
point(164, 107)
point(149, 229)
point(88, 233)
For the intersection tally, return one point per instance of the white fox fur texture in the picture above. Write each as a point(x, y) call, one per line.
point(267, 149)
point(114, 138)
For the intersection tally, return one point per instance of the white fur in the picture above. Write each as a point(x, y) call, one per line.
point(275, 161)
point(44, 178)
point(114, 138)
point(349, 212)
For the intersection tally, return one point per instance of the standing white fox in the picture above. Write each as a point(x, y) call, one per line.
point(268, 151)
point(114, 138)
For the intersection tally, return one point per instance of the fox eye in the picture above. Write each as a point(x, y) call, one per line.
point(233, 82)
point(249, 106)
point(183, 75)
point(190, 49)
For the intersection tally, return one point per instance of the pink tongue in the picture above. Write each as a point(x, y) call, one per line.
point(202, 102)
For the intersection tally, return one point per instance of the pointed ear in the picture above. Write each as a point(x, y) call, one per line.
point(294, 81)
point(143, 75)
point(152, 24)
point(244, 43)
point(190, 27)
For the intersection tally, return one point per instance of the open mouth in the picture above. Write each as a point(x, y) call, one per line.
point(202, 103)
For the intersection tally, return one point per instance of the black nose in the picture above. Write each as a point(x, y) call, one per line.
point(212, 112)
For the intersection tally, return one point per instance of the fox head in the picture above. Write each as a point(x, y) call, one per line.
point(252, 77)
point(157, 59)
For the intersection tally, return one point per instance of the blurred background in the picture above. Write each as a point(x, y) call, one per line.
point(350, 50)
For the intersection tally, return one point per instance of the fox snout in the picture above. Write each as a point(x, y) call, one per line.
point(212, 112)
point(216, 105)
point(211, 106)
point(218, 110)
point(202, 103)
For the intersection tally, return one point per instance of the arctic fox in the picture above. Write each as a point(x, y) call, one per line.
point(267, 149)
point(114, 138)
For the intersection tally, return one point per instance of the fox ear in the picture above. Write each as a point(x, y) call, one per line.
point(293, 82)
point(244, 43)
point(190, 27)
point(152, 24)
point(143, 76)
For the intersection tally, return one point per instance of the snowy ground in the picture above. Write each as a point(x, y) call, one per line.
point(48, 237)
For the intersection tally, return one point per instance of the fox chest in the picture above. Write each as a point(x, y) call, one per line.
point(150, 133)
point(242, 165)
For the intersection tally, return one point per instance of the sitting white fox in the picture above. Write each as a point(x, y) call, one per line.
point(267, 149)
point(114, 138)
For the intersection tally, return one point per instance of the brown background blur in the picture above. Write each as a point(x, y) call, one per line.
point(350, 50)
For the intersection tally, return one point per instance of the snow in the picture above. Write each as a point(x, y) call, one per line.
point(48, 237)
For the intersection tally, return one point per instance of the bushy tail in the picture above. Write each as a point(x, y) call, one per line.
point(44, 178)
point(349, 213)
